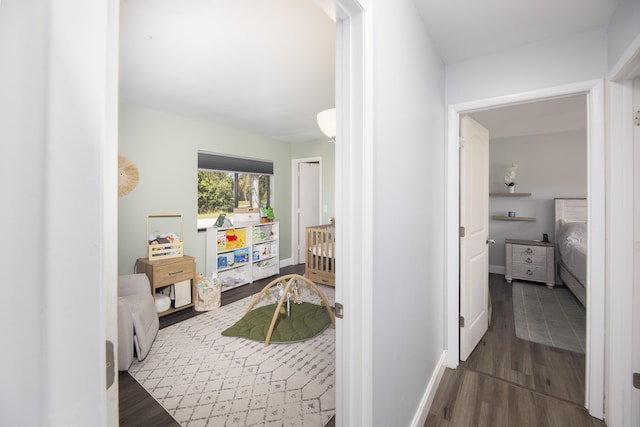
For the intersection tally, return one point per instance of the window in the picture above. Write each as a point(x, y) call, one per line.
point(225, 183)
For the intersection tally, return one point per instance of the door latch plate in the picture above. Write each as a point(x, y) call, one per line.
point(339, 310)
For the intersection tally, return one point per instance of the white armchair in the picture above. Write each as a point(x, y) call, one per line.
point(138, 322)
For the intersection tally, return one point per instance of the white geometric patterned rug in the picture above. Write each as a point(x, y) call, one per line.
point(205, 379)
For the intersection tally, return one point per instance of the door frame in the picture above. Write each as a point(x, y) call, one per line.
point(594, 89)
point(295, 163)
point(620, 243)
point(353, 196)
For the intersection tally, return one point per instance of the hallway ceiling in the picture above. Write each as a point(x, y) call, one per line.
point(464, 29)
point(268, 67)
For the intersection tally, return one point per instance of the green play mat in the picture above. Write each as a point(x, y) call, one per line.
point(305, 321)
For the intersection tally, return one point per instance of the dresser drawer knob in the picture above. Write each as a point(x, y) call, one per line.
point(529, 261)
point(175, 272)
point(529, 273)
point(529, 251)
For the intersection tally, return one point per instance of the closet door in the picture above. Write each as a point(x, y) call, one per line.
point(308, 202)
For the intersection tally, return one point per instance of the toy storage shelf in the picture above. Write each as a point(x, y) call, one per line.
point(243, 254)
point(265, 250)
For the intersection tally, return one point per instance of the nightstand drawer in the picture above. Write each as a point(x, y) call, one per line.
point(530, 272)
point(172, 273)
point(525, 251)
point(524, 258)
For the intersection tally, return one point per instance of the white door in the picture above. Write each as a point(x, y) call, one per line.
point(474, 217)
point(308, 202)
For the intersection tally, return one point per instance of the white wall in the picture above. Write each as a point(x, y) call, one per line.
point(22, 84)
point(56, 97)
point(549, 166)
point(408, 179)
point(164, 147)
point(555, 62)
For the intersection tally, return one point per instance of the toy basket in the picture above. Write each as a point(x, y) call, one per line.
point(162, 240)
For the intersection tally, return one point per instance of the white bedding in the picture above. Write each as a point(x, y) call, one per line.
point(323, 247)
point(572, 247)
point(325, 251)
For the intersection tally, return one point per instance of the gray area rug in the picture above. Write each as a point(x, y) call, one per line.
point(552, 317)
point(205, 379)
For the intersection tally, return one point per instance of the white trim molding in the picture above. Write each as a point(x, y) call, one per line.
point(354, 196)
point(430, 393)
point(286, 262)
point(498, 269)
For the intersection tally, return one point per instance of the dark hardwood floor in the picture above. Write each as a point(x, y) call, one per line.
point(470, 398)
point(505, 382)
point(512, 382)
point(137, 406)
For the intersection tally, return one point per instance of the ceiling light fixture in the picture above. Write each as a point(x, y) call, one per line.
point(327, 123)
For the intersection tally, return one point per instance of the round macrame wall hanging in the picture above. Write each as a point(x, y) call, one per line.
point(127, 176)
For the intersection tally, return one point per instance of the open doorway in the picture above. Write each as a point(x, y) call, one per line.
point(537, 337)
point(594, 374)
point(306, 202)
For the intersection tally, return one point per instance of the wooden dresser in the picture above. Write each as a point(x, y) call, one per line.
point(530, 260)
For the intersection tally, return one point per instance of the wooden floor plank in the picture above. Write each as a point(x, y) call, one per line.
point(138, 408)
point(512, 382)
point(501, 354)
point(469, 398)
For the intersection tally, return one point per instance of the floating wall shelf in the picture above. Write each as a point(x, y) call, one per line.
point(513, 218)
point(509, 194)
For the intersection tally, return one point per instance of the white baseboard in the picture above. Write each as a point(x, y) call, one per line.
point(430, 393)
point(286, 262)
point(497, 269)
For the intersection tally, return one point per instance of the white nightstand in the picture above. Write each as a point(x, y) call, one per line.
point(530, 260)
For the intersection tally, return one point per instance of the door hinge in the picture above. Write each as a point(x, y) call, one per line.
point(461, 231)
point(461, 321)
point(338, 310)
point(636, 118)
point(636, 380)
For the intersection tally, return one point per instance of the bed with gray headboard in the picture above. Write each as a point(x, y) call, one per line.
point(571, 245)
